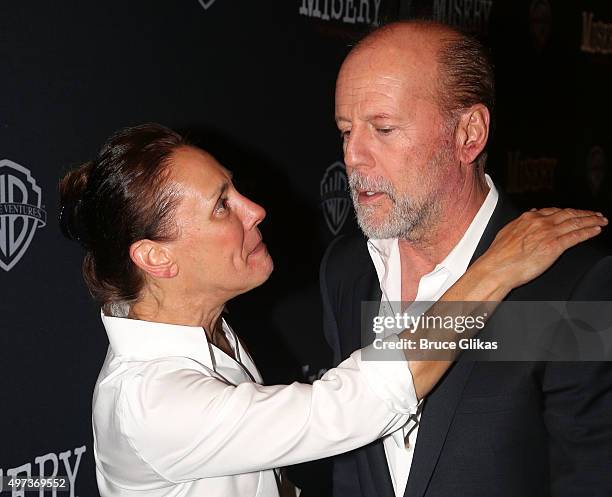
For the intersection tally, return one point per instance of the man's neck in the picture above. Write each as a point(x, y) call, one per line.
point(419, 258)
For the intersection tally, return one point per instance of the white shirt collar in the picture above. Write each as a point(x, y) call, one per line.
point(458, 259)
point(385, 252)
point(134, 339)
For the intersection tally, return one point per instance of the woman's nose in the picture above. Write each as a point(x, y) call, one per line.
point(254, 213)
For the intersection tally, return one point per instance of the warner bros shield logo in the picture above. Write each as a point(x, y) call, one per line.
point(334, 197)
point(20, 212)
point(206, 3)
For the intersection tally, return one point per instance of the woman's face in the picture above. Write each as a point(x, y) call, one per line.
point(219, 247)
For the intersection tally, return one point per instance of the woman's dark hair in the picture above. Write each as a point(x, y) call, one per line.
point(120, 197)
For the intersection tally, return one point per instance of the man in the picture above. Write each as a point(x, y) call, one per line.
point(413, 105)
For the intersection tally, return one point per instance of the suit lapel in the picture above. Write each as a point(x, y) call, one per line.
point(371, 294)
point(504, 212)
point(438, 413)
point(441, 404)
point(367, 288)
point(377, 462)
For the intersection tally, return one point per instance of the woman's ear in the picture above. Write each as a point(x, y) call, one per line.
point(154, 258)
point(472, 133)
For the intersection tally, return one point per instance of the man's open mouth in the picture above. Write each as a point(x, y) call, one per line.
point(368, 196)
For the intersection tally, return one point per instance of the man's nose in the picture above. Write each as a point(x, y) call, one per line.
point(356, 150)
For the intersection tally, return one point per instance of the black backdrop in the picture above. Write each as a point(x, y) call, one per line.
point(253, 82)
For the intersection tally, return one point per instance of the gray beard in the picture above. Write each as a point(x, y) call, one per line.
point(407, 219)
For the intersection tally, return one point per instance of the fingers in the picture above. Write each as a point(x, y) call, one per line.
point(577, 236)
point(569, 227)
point(528, 245)
point(575, 230)
point(555, 230)
point(562, 215)
point(546, 211)
point(578, 223)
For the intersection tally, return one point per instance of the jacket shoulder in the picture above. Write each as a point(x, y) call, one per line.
point(345, 255)
point(583, 271)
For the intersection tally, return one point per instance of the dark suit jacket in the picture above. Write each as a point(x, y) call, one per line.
point(488, 429)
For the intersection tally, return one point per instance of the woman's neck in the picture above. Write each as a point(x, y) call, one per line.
point(181, 311)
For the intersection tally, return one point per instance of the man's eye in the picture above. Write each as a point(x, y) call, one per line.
point(344, 134)
point(385, 131)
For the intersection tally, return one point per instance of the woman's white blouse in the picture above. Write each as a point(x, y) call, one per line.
point(173, 415)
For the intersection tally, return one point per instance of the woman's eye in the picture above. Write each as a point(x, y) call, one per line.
point(221, 206)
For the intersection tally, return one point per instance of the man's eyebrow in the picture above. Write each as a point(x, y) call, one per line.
point(370, 117)
point(379, 115)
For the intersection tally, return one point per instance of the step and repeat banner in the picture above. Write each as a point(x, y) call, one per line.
point(253, 82)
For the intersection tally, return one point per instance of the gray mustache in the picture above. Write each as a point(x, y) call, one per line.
point(358, 181)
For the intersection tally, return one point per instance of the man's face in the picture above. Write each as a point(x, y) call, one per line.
point(398, 148)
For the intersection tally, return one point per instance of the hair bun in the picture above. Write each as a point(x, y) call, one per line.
point(72, 187)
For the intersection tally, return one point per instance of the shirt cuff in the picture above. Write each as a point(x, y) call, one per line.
point(391, 378)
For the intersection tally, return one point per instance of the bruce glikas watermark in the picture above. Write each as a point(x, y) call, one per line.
point(447, 327)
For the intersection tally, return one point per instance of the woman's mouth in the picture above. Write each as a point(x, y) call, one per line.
point(258, 248)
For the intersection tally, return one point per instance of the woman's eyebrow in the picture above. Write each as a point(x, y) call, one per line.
point(219, 191)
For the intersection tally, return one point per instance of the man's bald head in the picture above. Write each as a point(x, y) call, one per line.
point(464, 69)
point(455, 65)
point(401, 32)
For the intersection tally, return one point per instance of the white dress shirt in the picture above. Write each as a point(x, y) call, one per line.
point(386, 258)
point(173, 415)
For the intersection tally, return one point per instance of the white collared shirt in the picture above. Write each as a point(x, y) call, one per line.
point(173, 415)
point(386, 258)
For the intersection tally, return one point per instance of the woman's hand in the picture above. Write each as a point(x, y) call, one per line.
point(521, 251)
point(527, 246)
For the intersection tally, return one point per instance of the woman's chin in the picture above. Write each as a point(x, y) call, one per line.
point(263, 269)
point(268, 269)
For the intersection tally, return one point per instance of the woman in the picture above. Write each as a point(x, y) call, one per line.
point(178, 408)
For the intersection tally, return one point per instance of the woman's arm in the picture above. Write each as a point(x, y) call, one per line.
point(185, 422)
point(521, 251)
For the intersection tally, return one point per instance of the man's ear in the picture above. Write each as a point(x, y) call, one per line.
point(472, 132)
point(154, 259)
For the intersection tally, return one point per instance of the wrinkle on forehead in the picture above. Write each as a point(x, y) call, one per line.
point(403, 58)
point(388, 70)
point(379, 93)
point(363, 82)
point(197, 174)
point(365, 103)
point(368, 87)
